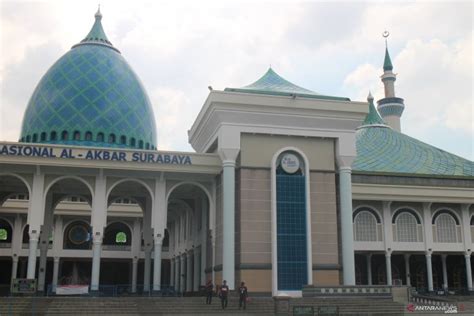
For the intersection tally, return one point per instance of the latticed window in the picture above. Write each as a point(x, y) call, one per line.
point(365, 227)
point(446, 228)
point(121, 238)
point(3, 234)
point(406, 228)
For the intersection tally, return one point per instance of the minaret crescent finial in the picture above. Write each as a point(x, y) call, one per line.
point(386, 34)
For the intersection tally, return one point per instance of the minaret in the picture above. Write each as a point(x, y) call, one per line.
point(390, 107)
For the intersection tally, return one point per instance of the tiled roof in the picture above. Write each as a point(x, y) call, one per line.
point(273, 84)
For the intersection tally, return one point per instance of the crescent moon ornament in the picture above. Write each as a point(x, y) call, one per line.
point(385, 34)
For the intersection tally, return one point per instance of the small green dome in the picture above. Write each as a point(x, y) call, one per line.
point(90, 97)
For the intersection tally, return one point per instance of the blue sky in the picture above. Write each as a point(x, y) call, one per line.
point(179, 48)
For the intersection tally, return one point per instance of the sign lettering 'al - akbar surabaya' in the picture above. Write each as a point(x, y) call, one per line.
point(95, 154)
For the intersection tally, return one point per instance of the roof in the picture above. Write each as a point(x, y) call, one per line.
point(273, 84)
point(387, 62)
point(93, 91)
point(381, 149)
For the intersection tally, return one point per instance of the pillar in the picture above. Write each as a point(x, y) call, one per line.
point(176, 273)
point(189, 271)
point(445, 272)
point(467, 257)
point(96, 252)
point(228, 249)
point(429, 272)
point(14, 266)
point(345, 194)
point(407, 269)
point(31, 270)
point(157, 264)
point(134, 274)
point(388, 265)
point(44, 242)
point(369, 269)
point(182, 270)
point(196, 267)
point(55, 274)
point(172, 272)
point(147, 271)
point(204, 231)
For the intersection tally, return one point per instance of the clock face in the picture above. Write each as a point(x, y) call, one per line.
point(78, 234)
point(290, 163)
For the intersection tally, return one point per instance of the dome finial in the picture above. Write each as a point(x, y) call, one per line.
point(370, 98)
point(98, 15)
point(387, 63)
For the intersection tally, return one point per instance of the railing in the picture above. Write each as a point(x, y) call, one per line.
point(121, 290)
point(117, 247)
point(5, 244)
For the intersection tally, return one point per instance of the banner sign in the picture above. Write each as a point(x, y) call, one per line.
point(23, 286)
point(95, 154)
point(72, 289)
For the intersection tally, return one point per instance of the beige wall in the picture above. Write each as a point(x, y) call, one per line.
point(326, 277)
point(258, 150)
point(255, 280)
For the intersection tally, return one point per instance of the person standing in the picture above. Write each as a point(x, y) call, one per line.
point(209, 291)
point(224, 294)
point(243, 294)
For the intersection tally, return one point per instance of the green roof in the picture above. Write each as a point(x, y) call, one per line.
point(373, 117)
point(273, 84)
point(387, 62)
point(380, 149)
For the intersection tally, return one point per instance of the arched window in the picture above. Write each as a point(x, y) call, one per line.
point(446, 228)
point(365, 226)
point(291, 214)
point(77, 135)
point(28, 138)
point(100, 137)
point(64, 135)
point(123, 140)
point(88, 136)
point(132, 142)
point(112, 138)
point(35, 138)
point(140, 144)
point(406, 227)
point(147, 146)
point(121, 238)
point(43, 136)
point(53, 136)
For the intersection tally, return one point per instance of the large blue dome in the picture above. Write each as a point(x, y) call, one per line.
point(90, 97)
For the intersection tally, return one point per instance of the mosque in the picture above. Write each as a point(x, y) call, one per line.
point(286, 188)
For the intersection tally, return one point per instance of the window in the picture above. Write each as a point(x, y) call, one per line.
point(406, 228)
point(147, 146)
point(123, 140)
point(100, 137)
point(121, 238)
point(88, 136)
point(77, 135)
point(446, 228)
point(3, 234)
point(112, 138)
point(365, 227)
point(28, 138)
point(43, 136)
point(35, 138)
point(64, 135)
point(132, 142)
point(53, 136)
point(140, 144)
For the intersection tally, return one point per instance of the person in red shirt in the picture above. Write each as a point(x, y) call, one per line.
point(224, 294)
point(243, 295)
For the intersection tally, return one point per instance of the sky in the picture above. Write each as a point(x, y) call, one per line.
point(179, 48)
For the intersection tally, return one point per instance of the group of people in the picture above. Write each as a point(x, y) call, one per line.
point(223, 293)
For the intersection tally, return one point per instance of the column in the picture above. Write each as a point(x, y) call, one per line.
point(445, 272)
point(44, 242)
point(407, 269)
point(467, 256)
point(96, 251)
point(147, 271)
point(177, 273)
point(55, 274)
point(369, 269)
point(196, 266)
point(429, 271)
point(157, 264)
point(189, 271)
point(134, 274)
point(345, 194)
point(31, 270)
point(388, 265)
point(228, 157)
point(182, 270)
point(14, 266)
point(172, 272)
point(204, 231)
